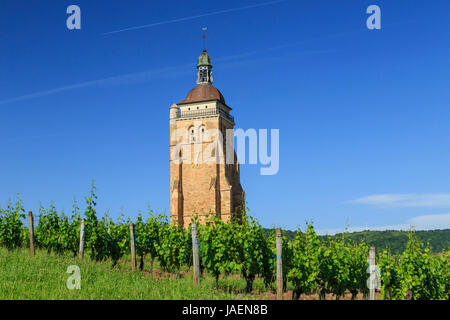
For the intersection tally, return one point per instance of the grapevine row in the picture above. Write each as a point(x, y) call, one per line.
point(238, 246)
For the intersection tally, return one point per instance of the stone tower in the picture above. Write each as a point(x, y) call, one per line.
point(202, 180)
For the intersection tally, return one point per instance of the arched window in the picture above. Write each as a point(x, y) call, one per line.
point(202, 132)
point(191, 135)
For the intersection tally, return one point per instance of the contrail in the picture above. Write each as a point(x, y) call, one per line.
point(46, 93)
point(195, 17)
point(114, 80)
point(135, 77)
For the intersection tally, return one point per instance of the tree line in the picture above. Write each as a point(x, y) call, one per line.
point(394, 240)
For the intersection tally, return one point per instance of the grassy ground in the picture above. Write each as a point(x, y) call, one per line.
point(44, 276)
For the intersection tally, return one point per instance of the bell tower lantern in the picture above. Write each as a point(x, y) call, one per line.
point(204, 66)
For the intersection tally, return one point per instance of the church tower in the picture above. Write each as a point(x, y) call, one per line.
point(202, 180)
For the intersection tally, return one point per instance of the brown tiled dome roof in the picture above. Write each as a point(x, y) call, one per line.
point(203, 92)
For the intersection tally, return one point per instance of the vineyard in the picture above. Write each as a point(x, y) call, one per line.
point(237, 248)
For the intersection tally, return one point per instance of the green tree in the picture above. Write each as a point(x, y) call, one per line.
point(148, 233)
point(215, 240)
point(96, 231)
point(251, 250)
point(117, 237)
point(306, 262)
point(357, 269)
point(417, 274)
point(47, 231)
point(174, 247)
point(11, 224)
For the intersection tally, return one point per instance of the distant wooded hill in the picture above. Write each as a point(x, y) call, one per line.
point(396, 241)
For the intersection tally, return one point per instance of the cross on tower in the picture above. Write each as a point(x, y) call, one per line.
point(204, 38)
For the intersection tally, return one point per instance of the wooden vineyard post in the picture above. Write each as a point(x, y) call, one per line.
point(31, 230)
point(279, 264)
point(133, 247)
point(82, 235)
point(195, 253)
point(372, 272)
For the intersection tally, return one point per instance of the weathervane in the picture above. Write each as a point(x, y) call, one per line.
point(204, 38)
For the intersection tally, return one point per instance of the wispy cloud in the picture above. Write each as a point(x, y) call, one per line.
point(425, 222)
point(432, 221)
point(406, 200)
point(195, 17)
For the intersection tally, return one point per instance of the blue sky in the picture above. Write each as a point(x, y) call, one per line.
point(363, 114)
